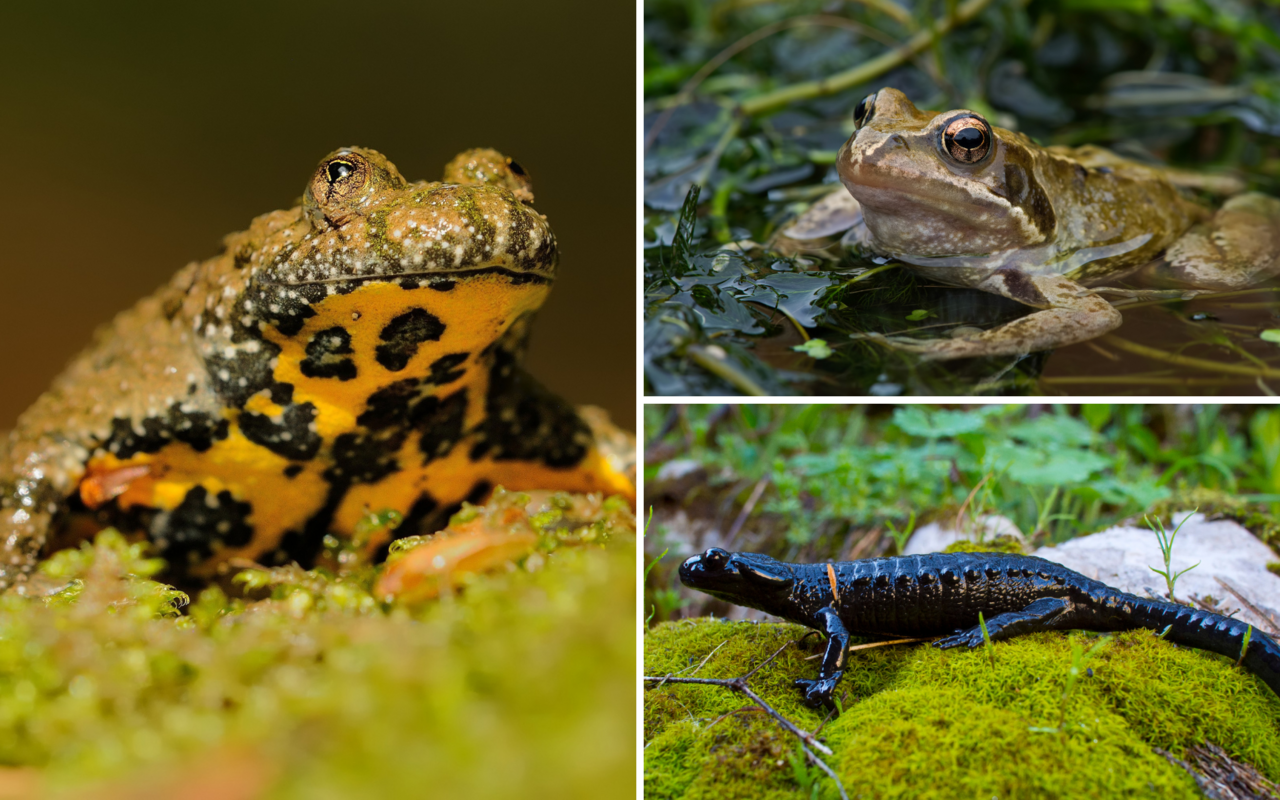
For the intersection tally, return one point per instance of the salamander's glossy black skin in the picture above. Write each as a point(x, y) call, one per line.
point(941, 594)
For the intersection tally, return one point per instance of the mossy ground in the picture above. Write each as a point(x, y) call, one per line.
point(518, 684)
point(924, 723)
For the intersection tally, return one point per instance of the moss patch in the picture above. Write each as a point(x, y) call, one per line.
point(921, 722)
point(518, 681)
point(1215, 503)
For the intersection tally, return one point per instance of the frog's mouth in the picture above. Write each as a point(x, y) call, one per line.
point(422, 278)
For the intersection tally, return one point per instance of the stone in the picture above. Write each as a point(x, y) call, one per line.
point(1122, 557)
point(934, 537)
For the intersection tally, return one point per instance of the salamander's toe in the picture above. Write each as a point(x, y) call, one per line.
point(970, 638)
point(816, 693)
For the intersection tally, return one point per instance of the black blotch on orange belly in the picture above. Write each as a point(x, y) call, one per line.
point(525, 422)
point(366, 457)
point(290, 437)
point(402, 335)
point(201, 522)
point(325, 355)
point(196, 428)
point(445, 368)
point(441, 423)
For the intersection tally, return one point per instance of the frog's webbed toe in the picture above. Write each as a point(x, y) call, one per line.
point(1072, 314)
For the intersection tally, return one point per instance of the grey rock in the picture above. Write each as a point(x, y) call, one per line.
point(1122, 557)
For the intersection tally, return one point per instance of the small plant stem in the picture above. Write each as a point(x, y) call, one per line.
point(725, 371)
point(1244, 601)
point(986, 637)
point(867, 70)
point(1244, 646)
point(1188, 361)
point(871, 645)
point(969, 499)
point(747, 508)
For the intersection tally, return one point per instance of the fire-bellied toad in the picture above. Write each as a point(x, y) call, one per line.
point(355, 354)
point(973, 205)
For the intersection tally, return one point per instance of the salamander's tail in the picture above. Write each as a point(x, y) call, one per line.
point(1212, 632)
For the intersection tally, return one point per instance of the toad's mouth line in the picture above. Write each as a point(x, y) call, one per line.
point(515, 276)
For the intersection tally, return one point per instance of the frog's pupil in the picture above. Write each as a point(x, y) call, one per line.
point(339, 170)
point(969, 138)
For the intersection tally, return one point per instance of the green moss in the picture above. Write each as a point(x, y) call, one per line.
point(999, 544)
point(520, 679)
point(922, 722)
point(1217, 503)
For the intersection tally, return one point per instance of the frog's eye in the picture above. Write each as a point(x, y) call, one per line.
point(967, 139)
point(516, 168)
point(863, 111)
point(339, 178)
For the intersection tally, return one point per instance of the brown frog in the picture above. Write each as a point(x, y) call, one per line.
point(357, 354)
point(973, 205)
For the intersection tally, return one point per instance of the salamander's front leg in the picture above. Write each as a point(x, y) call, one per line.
point(1039, 616)
point(818, 692)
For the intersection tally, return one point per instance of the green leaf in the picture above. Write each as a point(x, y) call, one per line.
point(814, 348)
point(919, 314)
point(918, 421)
point(1270, 335)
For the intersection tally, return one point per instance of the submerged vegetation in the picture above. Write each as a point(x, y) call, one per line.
point(113, 686)
point(746, 104)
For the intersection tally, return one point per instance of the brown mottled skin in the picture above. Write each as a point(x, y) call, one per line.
point(978, 206)
point(355, 354)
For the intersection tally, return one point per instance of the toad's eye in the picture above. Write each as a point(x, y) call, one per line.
point(339, 170)
point(516, 168)
point(862, 112)
point(967, 140)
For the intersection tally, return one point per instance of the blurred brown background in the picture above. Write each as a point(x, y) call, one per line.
point(133, 138)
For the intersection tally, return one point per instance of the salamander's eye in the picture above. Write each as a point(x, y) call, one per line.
point(967, 139)
point(863, 111)
point(715, 558)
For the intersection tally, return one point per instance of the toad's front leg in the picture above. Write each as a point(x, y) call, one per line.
point(1068, 314)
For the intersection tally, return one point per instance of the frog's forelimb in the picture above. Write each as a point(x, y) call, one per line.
point(941, 594)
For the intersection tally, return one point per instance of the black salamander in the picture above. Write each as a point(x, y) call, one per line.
point(941, 594)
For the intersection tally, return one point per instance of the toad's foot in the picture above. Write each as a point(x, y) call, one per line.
point(1070, 314)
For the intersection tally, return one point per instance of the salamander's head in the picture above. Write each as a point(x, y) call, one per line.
point(745, 579)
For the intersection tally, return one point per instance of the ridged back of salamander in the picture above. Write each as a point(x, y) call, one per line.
point(933, 594)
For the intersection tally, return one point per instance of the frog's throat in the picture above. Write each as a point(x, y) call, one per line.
point(381, 339)
point(1047, 259)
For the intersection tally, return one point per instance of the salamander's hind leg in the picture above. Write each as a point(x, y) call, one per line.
point(1039, 616)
